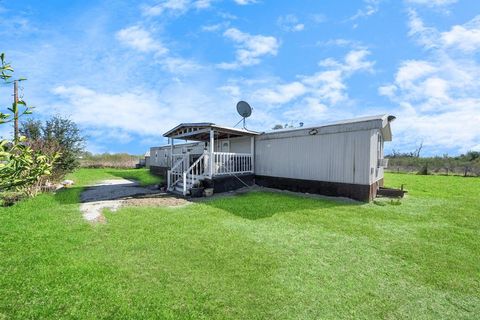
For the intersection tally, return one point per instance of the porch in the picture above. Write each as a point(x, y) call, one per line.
point(189, 169)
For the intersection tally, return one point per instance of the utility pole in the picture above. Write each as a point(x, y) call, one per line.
point(15, 108)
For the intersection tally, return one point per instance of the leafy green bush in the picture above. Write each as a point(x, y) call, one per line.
point(21, 167)
point(57, 134)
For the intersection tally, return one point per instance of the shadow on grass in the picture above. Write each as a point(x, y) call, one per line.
point(260, 205)
point(68, 195)
point(102, 193)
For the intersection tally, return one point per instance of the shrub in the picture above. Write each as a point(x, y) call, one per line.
point(21, 167)
point(57, 134)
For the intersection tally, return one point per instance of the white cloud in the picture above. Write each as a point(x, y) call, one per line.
point(140, 39)
point(308, 109)
point(355, 60)
point(138, 111)
point(326, 87)
point(412, 70)
point(174, 7)
point(438, 97)
point(370, 8)
point(290, 23)
point(340, 42)
point(178, 65)
point(212, 27)
point(425, 36)
point(245, 2)
point(232, 90)
point(250, 48)
point(463, 37)
point(282, 93)
point(202, 4)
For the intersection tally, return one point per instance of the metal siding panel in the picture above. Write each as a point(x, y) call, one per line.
point(324, 157)
point(240, 145)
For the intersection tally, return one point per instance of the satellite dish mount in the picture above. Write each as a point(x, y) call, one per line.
point(244, 110)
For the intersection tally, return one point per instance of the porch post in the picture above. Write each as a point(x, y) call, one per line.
point(252, 152)
point(171, 153)
point(212, 156)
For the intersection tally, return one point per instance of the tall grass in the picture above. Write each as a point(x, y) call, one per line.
point(107, 160)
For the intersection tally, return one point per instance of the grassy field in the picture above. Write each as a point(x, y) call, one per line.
point(256, 256)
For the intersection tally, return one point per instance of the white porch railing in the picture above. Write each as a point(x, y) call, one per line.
point(224, 163)
point(180, 163)
point(232, 163)
point(194, 173)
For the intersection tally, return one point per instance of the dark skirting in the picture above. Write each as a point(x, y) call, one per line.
point(336, 189)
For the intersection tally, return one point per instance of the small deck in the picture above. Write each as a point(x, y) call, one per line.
point(189, 170)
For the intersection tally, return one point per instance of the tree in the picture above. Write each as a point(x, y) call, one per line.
point(31, 129)
point(21, 167)
point(56, 134)
point(277, 127)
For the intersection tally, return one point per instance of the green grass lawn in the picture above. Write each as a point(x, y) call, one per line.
point(255, 256)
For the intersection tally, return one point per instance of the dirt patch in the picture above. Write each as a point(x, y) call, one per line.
point(114, 194)
point(167, 201)
point(92, 211)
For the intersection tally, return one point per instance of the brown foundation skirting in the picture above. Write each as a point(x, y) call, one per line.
point(336, 189)
point(229, 183)
point(159, 171)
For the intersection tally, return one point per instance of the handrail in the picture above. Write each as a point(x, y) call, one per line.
point(175, 175)
point(196, 162)
point(196, 169)
point(179, 162)
point(224, 163)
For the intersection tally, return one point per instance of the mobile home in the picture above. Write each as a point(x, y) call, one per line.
point(344, 158)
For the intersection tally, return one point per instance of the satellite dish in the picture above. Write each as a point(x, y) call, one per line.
point(244, 109)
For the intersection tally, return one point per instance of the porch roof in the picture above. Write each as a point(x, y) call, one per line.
point(200, 131)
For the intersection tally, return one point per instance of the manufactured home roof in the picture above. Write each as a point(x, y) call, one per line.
point(381, 122)
point(200, 131)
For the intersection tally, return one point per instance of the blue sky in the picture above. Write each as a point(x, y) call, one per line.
point(127, 71)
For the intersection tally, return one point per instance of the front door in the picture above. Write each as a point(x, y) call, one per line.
point(224, 146)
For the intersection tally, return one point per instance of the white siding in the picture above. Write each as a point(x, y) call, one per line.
point(237, 145)
point(147, 162)
point(240, 145)
point(160, 156)
point(334, 157)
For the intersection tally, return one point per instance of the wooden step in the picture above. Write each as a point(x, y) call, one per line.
point(180, 184)
point(189, 177)
point(180, 189)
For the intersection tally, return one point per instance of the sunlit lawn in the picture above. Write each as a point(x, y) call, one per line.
point(260, 255)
